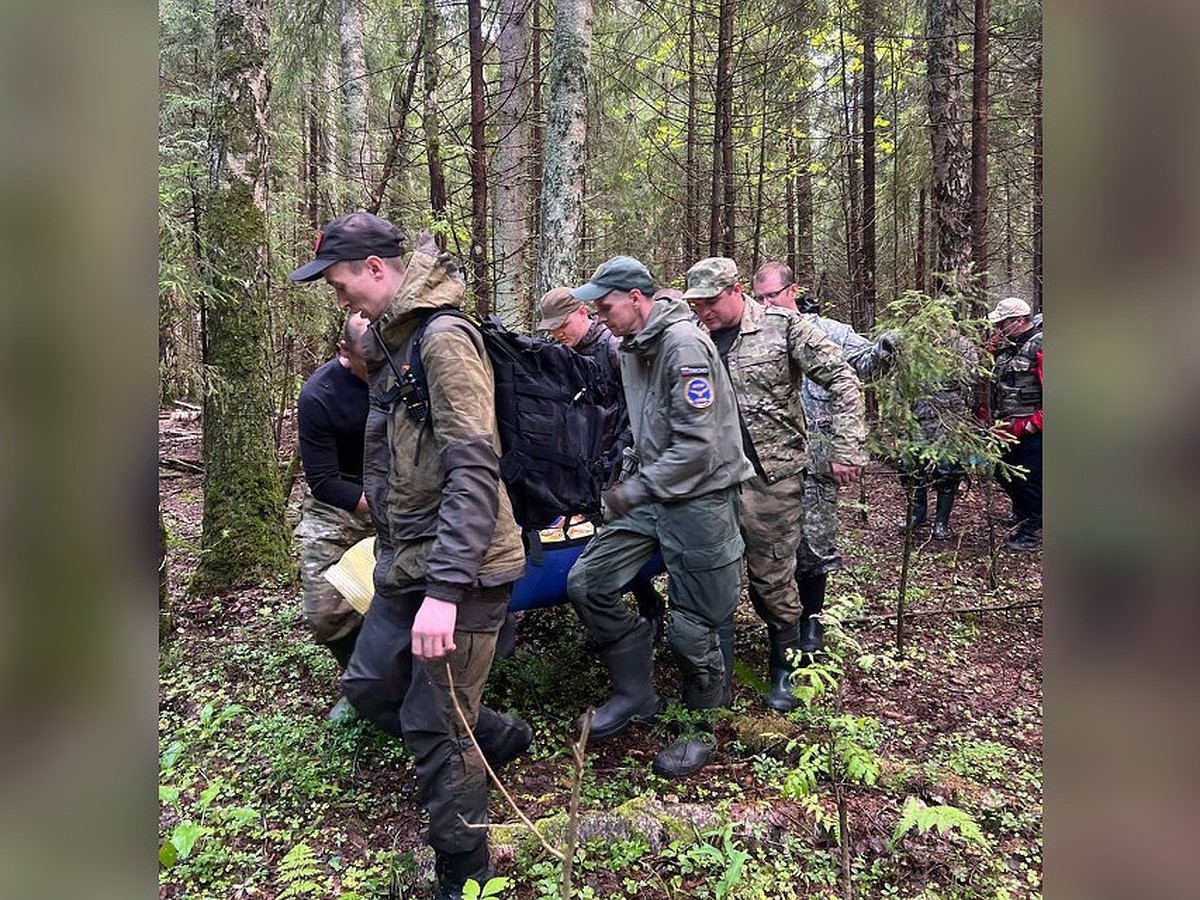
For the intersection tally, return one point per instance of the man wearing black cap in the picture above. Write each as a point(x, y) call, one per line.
point(447, 546)
point(682, 499)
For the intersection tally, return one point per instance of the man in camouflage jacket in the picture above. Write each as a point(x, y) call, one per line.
point(769, 351)
point(818, 555)
point(447, 547)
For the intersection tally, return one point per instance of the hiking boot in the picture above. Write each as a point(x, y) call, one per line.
point(945, 504)
point(1022, 540)
point(630, 664)
point(501, 737)
point(685, 756)
point(453, 870)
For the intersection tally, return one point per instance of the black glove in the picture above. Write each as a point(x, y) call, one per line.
point(891, 341)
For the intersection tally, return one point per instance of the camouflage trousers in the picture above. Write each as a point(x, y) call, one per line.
point(772, 517)
point(818, 553)
point(326, 532)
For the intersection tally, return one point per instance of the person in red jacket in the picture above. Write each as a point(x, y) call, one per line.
point(1016, 407)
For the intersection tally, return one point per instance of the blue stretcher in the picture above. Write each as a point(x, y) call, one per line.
point(545, 581)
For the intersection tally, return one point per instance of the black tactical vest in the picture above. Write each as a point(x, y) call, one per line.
point(1016, 389)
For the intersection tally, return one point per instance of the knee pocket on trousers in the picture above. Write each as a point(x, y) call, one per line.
point(696, 646)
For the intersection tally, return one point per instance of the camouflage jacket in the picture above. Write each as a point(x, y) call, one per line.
point(681, 409)
point(952, 402)
point(442, 514)
point(775, 349)
point(868, 360)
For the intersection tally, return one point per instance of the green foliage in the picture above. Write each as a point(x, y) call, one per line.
point(495, 887)
point(297, 870)
point(944, 819)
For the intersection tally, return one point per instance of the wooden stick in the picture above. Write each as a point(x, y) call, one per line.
point(863, 620)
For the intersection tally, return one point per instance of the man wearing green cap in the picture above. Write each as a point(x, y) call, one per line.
point(681, 499)
point(768, 352)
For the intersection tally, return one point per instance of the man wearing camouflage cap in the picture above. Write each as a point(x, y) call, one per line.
point(681, 499)
point(768, 352)
point(818, 554)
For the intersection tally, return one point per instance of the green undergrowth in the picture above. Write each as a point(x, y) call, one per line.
point(259, 795)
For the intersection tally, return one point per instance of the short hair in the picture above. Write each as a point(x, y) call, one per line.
point(351, 338)
point(396, 263)
point(774, 266)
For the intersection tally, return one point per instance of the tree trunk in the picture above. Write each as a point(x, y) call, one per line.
point(1037, 186)
point(538, 157)
point(691, 212)
point(951, 199)
point(357, 156)
point(921, 262)
point(806, 271)
point(402, 105)
point(433, 140)
point(725, 101)
point(979, 151)
point(849, 102)
point(512, 167)
point(866, 321)
point(566, 145)
point(758, 188)
point(479, 206)
point(243, 538)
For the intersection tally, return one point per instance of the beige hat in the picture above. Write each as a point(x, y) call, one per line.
point(1009, 308)
point(709, 277)
point(557, 305)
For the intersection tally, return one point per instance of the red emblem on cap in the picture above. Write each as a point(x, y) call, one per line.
point(317, 243)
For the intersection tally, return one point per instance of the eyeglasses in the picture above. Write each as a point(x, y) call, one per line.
point(772, 296)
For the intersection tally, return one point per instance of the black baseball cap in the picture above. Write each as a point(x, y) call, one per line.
point(355, 236)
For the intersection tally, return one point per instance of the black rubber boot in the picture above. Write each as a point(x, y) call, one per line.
point(780, 697)
point(691, 751)
point(920, 510)
point(812, 599)
point(630, 664)
point(453, 870)
point(501, 737)
point(941, 519)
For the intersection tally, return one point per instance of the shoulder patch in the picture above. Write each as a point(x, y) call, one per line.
point(697, 391)
point(688, 371)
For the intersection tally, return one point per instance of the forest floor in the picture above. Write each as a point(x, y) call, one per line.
point(936, 751)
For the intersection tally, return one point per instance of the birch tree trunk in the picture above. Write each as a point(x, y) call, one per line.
point(478, 260)
point(243, 538)
point(951, 186)
point(561, 219)
point(513, 170)
point(355, 138)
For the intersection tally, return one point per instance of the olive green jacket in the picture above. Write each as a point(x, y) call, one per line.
point(442, 514)
point(681, 409)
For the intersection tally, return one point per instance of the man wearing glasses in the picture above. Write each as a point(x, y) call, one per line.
point(818, 555)
point(768, 351)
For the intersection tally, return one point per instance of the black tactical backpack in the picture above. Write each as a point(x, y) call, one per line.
point(549, 415)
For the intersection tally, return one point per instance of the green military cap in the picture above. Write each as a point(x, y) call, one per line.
point(621, 273)
point(709, 277)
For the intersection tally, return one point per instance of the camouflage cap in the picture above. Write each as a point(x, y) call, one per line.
point(1009, 308)
point(556, 306)
point(621, 273)
point(709, 277)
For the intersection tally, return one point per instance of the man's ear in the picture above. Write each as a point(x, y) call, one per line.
point(375, 265)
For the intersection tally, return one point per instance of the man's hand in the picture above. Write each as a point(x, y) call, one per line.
point(433, 629)
point(613, 504)
point(890, 342)
point(844, 476)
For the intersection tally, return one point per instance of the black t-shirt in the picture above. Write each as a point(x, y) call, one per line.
point(332, 414)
